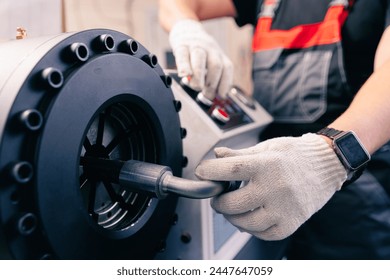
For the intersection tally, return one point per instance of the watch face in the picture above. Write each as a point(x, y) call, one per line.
point(352, 151)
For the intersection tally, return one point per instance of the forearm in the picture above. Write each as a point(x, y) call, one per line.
point(171, 11)
point(369, 114)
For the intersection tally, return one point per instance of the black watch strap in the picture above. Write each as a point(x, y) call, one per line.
point(334, 134)
point(329, 132)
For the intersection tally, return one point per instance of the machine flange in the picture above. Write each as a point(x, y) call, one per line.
point(96, 93)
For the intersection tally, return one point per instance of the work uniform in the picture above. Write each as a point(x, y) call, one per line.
point(309, 60)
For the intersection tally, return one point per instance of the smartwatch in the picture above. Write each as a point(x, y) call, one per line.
point(349, 150)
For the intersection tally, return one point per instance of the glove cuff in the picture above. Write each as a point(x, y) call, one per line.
point(326, 164)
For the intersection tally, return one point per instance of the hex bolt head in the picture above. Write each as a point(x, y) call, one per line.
point(31, 119)
point(53, 77)
point(183, 133)
point(79, 52)
point(21, 172)
point(151, 60)
point(177, 104)
point(167, 80)
point(186, 237)
point(106, 42)
point(27, 223)
point(129, 46)
point(184, 162)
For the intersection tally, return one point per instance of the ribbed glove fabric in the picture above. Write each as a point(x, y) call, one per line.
point(199, 58)
point(287, 180)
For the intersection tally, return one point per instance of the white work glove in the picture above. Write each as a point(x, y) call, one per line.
point(199, 57)
point(288, 179)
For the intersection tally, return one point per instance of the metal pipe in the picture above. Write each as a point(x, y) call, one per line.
point(154, 178)
point(159, 179)
point(192, 188)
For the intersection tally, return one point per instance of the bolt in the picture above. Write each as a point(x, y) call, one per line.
point(106, 42)
point(27, 224)
point(184, 161)
point(129, 46)
point(151, 60)
point(80, 51)
point(31, 119)
point(186, 237)
point(53, 77)
point(177, 104)
point(183, 132)
point(21, 172)
point(167, 81)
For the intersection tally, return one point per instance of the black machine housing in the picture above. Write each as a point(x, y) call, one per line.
point(97, 94)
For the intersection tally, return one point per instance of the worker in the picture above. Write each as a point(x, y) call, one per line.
point(320, 175)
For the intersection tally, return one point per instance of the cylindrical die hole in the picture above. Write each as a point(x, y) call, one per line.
point(167, 81)
point(22, 172)
point(107, 41)
point(53, 77)
point(27, 224)
point(80, 51)
point(32, 119)
point(151, 59)
point(133, 46)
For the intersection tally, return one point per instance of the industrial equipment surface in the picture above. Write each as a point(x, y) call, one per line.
point(79, 113)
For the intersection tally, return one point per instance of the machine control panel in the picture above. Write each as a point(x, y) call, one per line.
point(220, 114)
point(233, 122)
point(225, 113)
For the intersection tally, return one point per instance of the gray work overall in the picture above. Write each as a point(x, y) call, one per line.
point(299, 78)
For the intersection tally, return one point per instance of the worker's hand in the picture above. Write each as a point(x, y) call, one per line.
point(199, 57)
point(287, 179)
